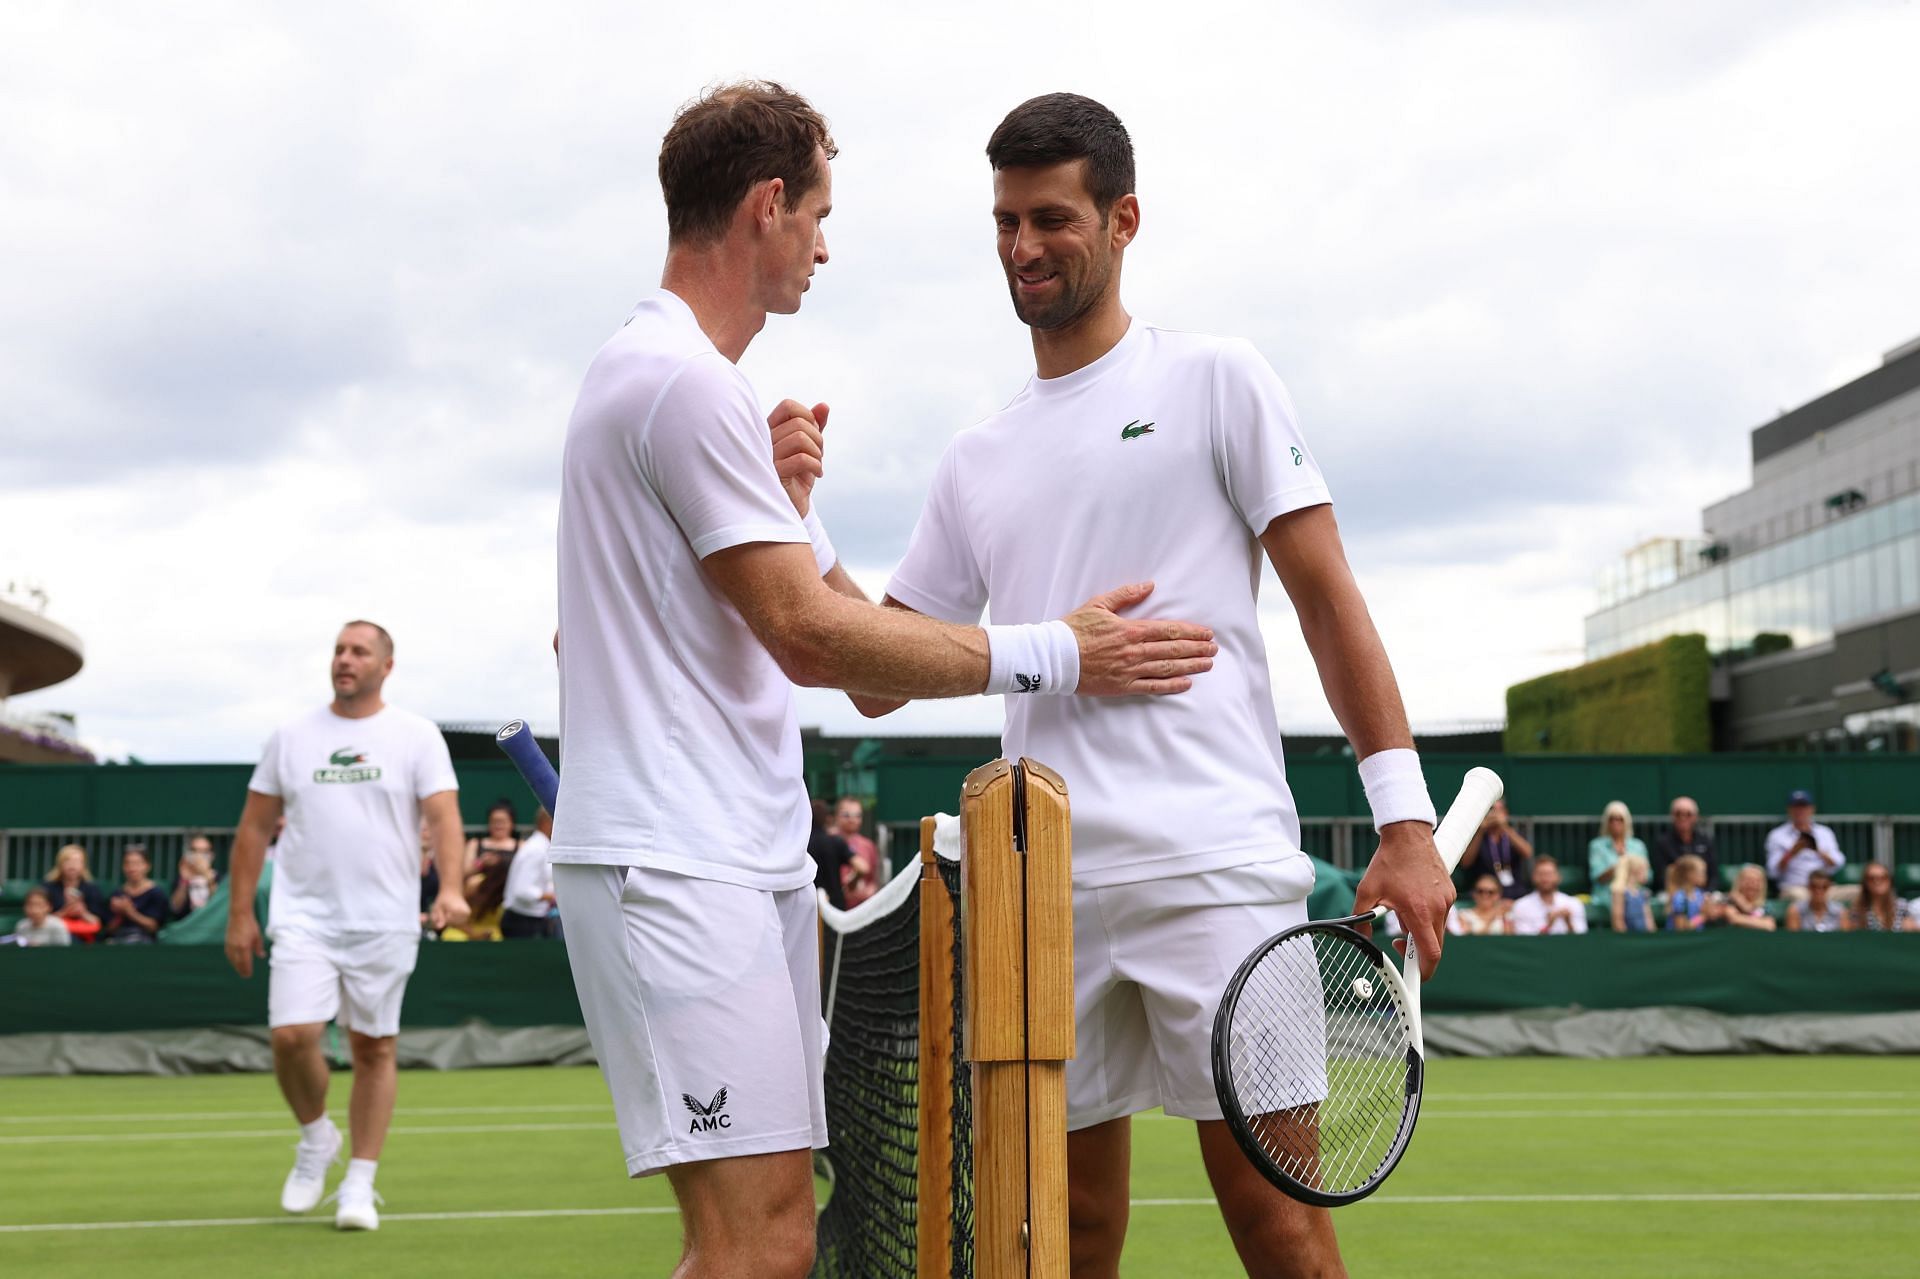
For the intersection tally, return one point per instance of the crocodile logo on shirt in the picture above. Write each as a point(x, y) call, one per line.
point(347, 765)
point(710, 1117)
point(1135, 429)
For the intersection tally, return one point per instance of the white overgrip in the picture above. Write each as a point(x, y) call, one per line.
point(1478, 791)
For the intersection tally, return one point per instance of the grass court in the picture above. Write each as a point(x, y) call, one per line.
point(1652, 1166)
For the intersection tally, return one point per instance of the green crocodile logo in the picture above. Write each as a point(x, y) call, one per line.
point(1135, 429)
point(346, 758)
point(346, 767)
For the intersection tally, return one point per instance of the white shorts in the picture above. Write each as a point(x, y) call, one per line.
point(1150, 962)
point(702, 1000)
point(357, 978)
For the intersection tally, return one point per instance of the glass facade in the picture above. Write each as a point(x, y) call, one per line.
point(1791, 594)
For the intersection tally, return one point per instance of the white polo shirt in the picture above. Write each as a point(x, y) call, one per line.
point(1163, 460)
point(1790, 868)
point(349, 859)
point(1530, 914)
point(679, 745)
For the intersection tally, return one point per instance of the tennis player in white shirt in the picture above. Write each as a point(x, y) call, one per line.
point(1138, 451)
point(692, 597)
point(358, 782)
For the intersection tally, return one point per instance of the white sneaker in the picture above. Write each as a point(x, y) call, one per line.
point(308, 1180)
point(356, 1210)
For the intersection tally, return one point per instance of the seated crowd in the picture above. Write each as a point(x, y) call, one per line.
point(1673, 887)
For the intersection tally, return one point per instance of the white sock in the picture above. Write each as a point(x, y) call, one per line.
point(361, 1171)
point(315, 1133)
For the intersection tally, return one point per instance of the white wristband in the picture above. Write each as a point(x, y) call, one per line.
point(1396, 789)
point(823, 552)
point(1040, 657)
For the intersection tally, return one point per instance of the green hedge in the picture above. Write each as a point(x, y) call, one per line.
point(1648, 700)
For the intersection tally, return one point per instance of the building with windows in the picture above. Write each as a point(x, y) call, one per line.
point(1807, 584)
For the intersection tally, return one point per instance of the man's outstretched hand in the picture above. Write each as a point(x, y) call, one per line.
point(1407, 875)
point(1125, 657)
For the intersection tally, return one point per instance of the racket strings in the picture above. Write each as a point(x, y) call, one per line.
point(1318, 1058)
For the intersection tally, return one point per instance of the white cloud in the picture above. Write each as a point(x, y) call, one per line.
point(297, 300)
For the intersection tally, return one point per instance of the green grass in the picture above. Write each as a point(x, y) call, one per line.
point(178, 1149)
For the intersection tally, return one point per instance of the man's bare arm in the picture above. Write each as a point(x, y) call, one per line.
point(1406, 872)
point(244, 860)
point(825, 639)
point(442, 812)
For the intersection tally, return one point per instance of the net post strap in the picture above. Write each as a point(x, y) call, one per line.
point(935, 1163)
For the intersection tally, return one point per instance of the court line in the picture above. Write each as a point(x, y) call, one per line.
point(196, 1116)
point(69, 1138)
point(523, 1214)
point(1435, 1110)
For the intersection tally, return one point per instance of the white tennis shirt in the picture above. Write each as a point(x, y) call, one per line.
point(1163, 460)
point(679, 746)
point(349, 859)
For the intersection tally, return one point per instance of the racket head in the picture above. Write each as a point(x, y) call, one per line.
point(1315, 1062)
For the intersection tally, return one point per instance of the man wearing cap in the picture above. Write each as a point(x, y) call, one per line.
point(1799, 846)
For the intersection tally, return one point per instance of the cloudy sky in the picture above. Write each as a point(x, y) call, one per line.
point(296, 299)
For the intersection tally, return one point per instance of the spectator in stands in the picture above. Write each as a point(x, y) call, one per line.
point(1486, 916)
point(1746, 905)
point(1690, 908)
point(77, 900)
point(41, 927)
point(530, 897)
point(1499, 850)
point(1546, 909)
point(194, 883)
point(486, 892)
point(831, 857)
point(1632, 907)
point(861, 878)
point(1683, 838)
point(1820, 913)
point(1615, 840)
point(1876, 909)
point(138, 908)
point(1799, 846)
point(500, 842)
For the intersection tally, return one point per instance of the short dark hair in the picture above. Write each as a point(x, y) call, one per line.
point(376, 628)
point(726, 140)
point(41, 893)
point(1057, 127)
point(503, 805)
point(1545, 859)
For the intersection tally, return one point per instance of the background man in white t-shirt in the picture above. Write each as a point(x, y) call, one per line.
point(1143, 452)
point(692, 597)
point(1546, 911)
point(354, 780)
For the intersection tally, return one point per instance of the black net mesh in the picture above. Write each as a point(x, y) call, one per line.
point(869, 1226)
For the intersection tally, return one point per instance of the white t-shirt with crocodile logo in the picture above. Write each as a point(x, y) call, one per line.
point(349, 860)
point(1161, 461)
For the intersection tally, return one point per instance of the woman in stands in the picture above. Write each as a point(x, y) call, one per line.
point(77, 900)
point(1746, 905)
point(501, 841)
point(1876, 909)
point(1615, 840)
point(1688, 906)
point(1819, 913)
point(1632, 907)
point(1486, 916)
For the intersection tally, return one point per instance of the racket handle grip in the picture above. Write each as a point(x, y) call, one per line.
point(517, 740)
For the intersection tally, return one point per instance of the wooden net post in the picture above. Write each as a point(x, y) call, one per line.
point(935, 1163)
point(1016, 881)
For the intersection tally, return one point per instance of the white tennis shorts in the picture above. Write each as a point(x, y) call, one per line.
point(357, 978)
point(702, 1000)
point(1150, 962)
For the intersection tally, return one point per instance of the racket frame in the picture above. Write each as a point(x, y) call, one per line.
point(1239, 1124)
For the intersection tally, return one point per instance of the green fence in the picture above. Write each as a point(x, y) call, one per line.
point(98, 989)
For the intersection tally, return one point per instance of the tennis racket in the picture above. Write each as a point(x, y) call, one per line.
point(1317, 1054)
point(517, 740)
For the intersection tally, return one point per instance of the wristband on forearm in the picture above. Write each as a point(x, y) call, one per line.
point(823, 552)
point(1039, 657)
point(1396, 788)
